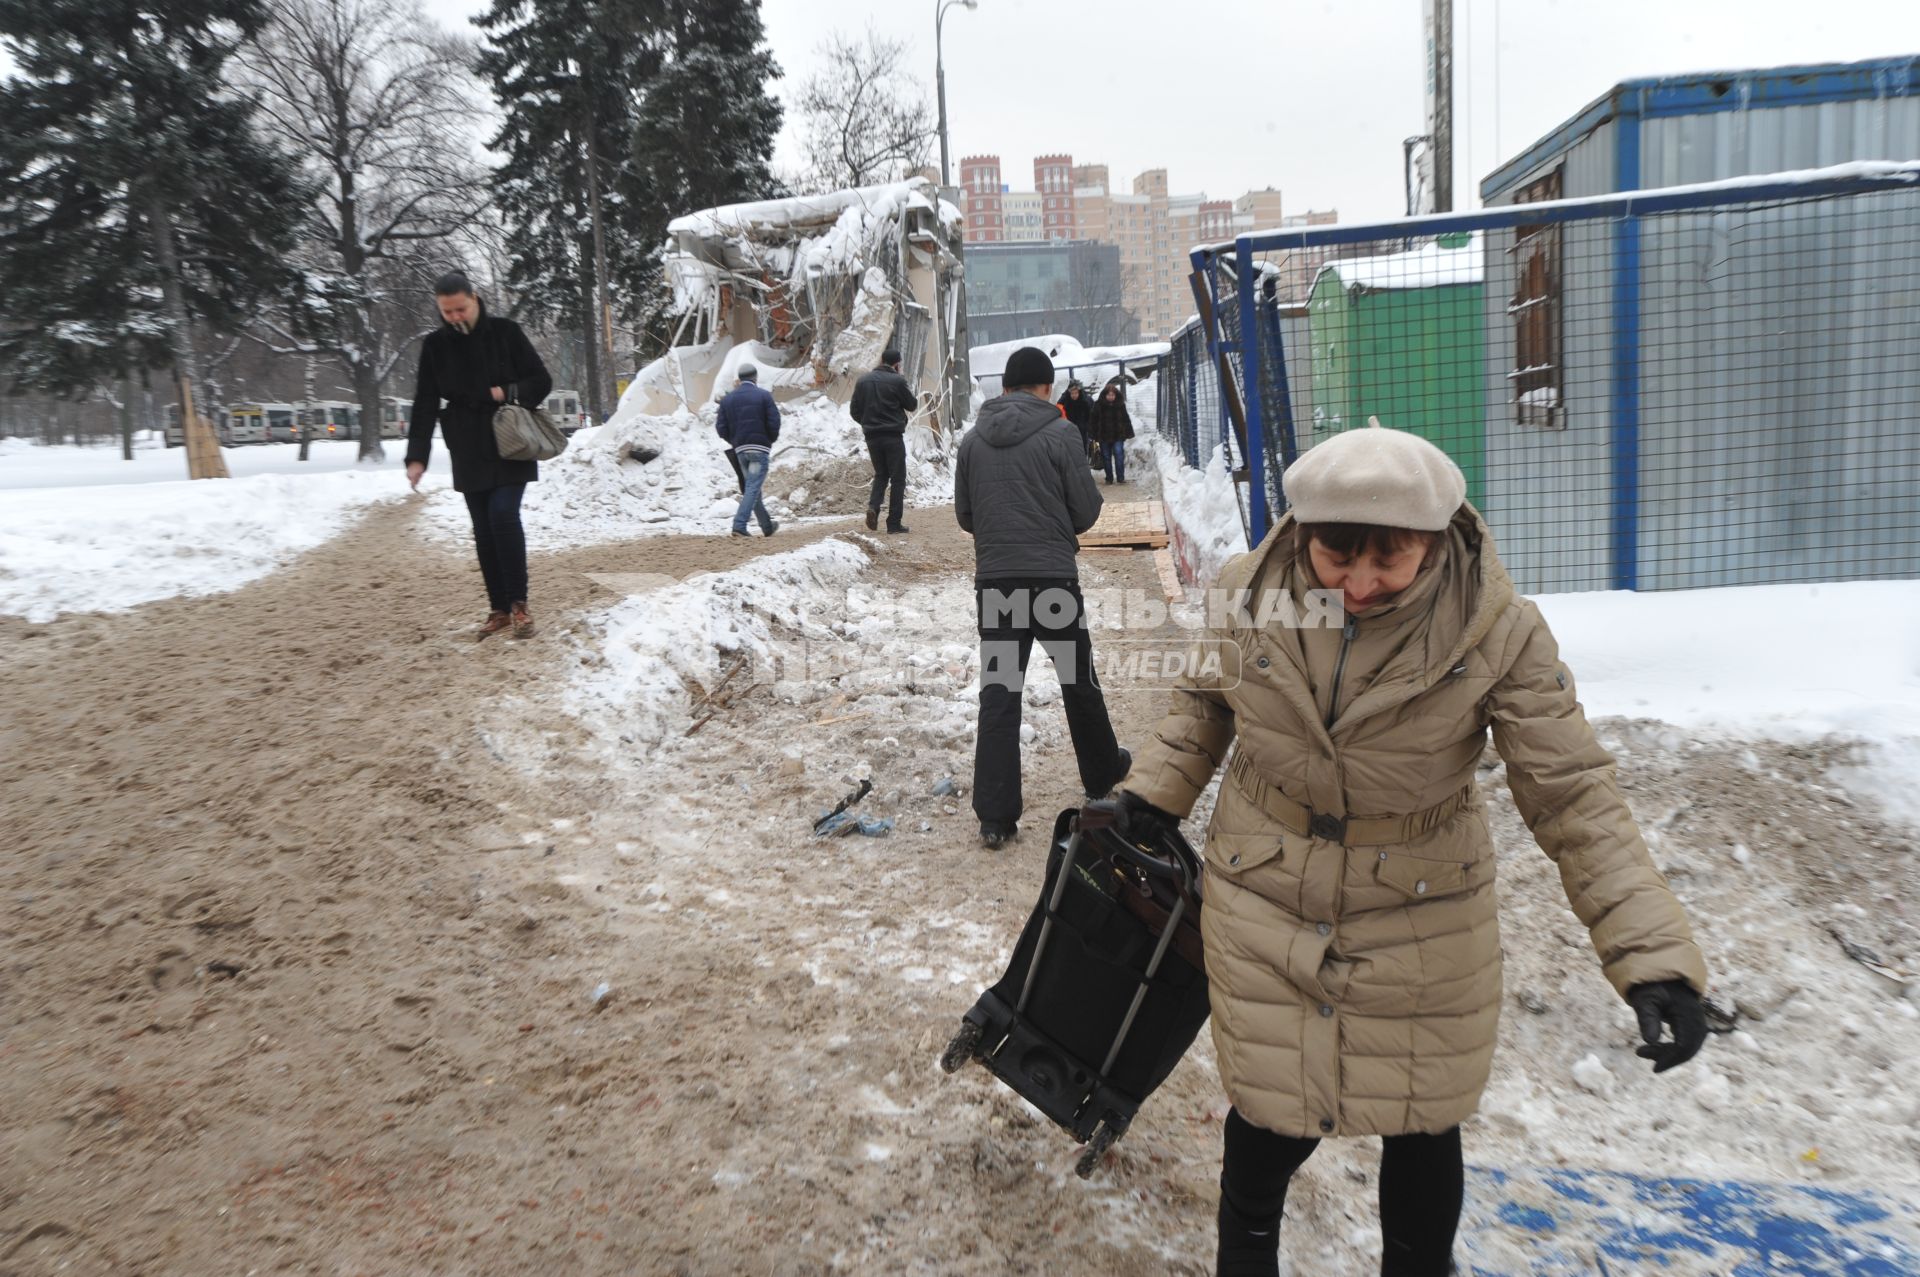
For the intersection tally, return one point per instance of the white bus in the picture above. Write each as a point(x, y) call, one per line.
point(564, 407)
point(330, 419)
point(395, 416)
point(243, 423)
point(232, 426)
point(280, 420)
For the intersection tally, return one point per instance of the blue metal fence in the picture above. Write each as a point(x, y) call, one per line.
point(1191, 410)
point(1708, 385)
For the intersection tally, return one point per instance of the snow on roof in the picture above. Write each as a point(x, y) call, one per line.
point(990, 360)
point(803, 213)
point(1402, 227)
point(1428, 266)
point(1127, 354)
point(1065, 352)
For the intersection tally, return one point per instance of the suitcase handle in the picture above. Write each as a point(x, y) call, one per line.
point(1148, 863)
point(1173, 869)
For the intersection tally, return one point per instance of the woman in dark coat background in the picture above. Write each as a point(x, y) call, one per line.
point(1078, 410)
point(1112, 427)
point(475, 362)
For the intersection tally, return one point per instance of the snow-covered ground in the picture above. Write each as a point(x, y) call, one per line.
point(1804, 1103)
point(82, 530)
point(28, 465)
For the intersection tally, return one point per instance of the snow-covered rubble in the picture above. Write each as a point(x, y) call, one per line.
point(597, 491)
point(667, 638)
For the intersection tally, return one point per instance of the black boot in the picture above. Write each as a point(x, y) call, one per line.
point(1248, 1247)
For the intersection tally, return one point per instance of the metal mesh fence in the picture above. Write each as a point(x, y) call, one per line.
point(1660, 391)
point(1189, 403)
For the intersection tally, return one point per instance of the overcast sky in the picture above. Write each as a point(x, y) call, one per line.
point(1335, 85)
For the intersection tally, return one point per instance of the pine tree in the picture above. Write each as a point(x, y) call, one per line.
point(706, 125)
point(566, 74)
point(135, 199)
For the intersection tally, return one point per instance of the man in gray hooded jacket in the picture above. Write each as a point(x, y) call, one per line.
point(1022, 488)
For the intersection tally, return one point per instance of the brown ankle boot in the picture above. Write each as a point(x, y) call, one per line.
point(496, 621)
point(522, 622)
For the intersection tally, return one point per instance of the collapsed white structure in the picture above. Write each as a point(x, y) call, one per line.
point(1089, 365)
point(812, 289)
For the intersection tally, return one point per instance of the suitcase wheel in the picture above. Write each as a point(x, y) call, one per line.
point(964, 1046)
point(1096, 1149)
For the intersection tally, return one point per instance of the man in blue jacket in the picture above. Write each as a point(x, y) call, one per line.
point(749, 421)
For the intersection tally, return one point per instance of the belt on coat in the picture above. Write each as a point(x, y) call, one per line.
point(1369, 832)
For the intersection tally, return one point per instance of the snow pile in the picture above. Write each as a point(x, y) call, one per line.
point(1428, 266)
point(598, 491)
point(109, 548)
point(668, 636)
point(810, 631)
point(1677, 655)
point(1838, 660)
point(1203, 512)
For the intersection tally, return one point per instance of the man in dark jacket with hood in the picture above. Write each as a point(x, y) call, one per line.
point(749, 421)
point(473, 363)
point(882, 402)
point(1022, 488)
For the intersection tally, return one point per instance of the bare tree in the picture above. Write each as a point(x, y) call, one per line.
point(1095, 293)
point(865, 116)
point(379, 104)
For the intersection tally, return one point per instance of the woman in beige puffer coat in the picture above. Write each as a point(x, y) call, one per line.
point(1352, 943)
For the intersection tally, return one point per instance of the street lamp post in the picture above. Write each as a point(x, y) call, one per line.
point(940, 76)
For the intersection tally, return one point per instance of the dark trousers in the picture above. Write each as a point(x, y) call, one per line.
point(1114, 457)
point(1422, 1187)
point(501, 543)
point(1013, 615)
point(889, 456)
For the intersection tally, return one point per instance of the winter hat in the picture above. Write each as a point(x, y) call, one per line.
point(1388, 478)
point(889, 357)
point(1028, 366)
point(747, 372)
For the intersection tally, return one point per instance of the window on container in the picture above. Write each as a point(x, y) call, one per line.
point(1537, 381)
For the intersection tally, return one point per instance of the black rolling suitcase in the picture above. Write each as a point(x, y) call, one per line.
point(1107, 987)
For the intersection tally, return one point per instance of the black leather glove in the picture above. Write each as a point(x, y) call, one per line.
point(1675, 1003)
point(1135, 817)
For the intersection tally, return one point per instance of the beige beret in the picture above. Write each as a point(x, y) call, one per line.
point(1375, 475)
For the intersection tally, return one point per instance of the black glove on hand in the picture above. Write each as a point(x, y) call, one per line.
point(1129, 815)
point(1674, 1002)
point(1140, 819)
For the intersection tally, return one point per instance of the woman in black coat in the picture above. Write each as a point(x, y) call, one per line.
point(469, 366)
point(1112, 427)
point(1078, 409)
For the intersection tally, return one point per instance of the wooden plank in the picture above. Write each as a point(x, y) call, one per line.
point(1140, 524)
point(1169, 574)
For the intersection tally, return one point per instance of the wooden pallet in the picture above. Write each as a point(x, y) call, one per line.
point(1132, 525)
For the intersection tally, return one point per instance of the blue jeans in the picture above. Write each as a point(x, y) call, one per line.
point(1115, 456)
point(753, 471)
